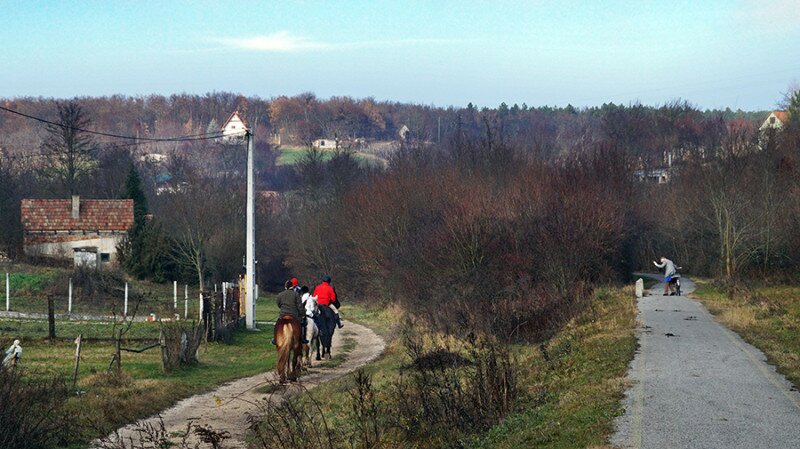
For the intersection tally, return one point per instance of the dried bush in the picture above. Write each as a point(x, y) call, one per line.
point(32, 410)
point(451, 391)
point(180, 341)
point(291, 424)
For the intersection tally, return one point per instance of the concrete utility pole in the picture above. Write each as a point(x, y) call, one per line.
point(250, 264)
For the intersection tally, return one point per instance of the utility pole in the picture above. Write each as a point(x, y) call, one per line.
point(250, 263)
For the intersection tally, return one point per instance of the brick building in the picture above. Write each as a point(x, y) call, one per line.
point(87, 231)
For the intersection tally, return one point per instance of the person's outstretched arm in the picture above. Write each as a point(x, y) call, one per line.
point(659, 265)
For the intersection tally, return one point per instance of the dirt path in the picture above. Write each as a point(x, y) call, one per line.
point(227, 407)
point(696, 384)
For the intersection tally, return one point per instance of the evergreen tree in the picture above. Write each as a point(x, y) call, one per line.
point(144, 252)
point(133, 190)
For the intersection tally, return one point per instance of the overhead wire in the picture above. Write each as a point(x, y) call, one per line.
point(203, 136)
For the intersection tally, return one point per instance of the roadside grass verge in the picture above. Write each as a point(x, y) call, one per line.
point(573, 398)
point(570, 392)
point(766, 317)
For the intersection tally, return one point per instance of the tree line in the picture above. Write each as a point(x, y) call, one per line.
point(503, 218)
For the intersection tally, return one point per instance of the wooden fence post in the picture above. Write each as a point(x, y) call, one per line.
point(77, 360)
point(69, 300)
point(51, 318)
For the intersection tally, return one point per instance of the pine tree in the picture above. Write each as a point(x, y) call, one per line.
point(133, 190)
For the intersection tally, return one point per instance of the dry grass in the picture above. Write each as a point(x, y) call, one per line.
point(766, 317)
point(567, 401)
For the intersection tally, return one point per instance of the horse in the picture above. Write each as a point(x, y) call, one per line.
point(327, 323)
point(312, 333)
point(287, 340)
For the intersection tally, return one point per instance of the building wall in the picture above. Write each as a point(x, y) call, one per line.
point(772, 122)
point(62, 246)
point(324, 143)
point(233, 129)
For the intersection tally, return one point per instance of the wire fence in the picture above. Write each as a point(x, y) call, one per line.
point(24, 308)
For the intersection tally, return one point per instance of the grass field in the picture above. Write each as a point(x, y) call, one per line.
point(292, 155)
point(567, 402)
point(766, 317)
point(107, 401)
point(31, 284)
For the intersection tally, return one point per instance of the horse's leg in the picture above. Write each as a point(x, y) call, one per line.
point(316, 343)
point(306, 356)
point(283, 359)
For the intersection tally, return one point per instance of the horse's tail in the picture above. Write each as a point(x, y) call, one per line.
point(285, 339)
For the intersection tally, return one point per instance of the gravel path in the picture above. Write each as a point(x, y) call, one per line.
point(227, 407)
point(696, 384)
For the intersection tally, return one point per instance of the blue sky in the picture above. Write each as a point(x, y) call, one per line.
point(714, 53)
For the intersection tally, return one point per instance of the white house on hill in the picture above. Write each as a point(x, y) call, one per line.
point(234, 128)
point(776, 120)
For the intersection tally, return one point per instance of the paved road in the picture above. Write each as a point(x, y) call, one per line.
point(695, 384)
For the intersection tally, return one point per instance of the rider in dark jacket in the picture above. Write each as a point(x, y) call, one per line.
point(289, 304)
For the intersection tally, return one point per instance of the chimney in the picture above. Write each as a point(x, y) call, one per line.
point(76, 207)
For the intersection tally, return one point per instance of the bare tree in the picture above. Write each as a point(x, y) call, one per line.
point(69, 149)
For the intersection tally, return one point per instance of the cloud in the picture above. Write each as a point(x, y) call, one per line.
point(286, 42)
point(778, 16)
point(282, 41)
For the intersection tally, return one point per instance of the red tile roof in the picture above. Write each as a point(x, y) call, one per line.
point(783, 116)
point(95, 215)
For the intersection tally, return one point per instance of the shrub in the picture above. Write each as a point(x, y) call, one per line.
point(32, 412)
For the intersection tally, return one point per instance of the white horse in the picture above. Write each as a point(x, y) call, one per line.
point(312, 331)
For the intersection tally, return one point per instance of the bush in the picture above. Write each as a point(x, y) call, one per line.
point(451, 391)
point(32, 412)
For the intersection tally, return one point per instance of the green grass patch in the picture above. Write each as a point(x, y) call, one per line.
point(768, 317)
point(107, 402)
point(293, 155)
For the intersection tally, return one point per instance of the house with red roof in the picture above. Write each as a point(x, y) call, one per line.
point(234, 129)
point(86, 231)
point(775, 120)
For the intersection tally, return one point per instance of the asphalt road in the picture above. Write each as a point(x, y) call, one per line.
point(696, 384)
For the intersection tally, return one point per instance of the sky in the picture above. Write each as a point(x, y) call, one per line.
point(713, 53)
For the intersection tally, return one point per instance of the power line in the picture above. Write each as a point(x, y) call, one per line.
point(203, 136)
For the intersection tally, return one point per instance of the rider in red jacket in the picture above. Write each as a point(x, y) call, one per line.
point(326, 296)
point(324, 292)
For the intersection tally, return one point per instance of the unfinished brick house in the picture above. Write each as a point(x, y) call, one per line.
point(86, 231)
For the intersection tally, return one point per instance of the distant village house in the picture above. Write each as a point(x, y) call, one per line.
point(234, 129)
point(776, 120)
point(86, 231)
point(325, 144)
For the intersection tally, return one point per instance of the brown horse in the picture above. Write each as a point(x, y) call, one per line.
point(287, 339)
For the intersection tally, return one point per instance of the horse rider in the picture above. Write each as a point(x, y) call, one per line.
point(326, 296)
point(669, 272)
point(296, 285)
point(289, 305)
